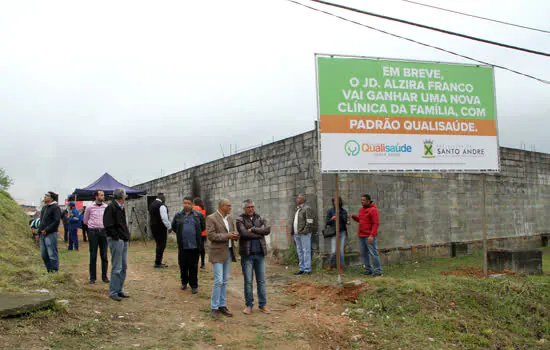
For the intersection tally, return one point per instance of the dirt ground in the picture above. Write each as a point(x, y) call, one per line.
point(308, 311)
point(477, 272)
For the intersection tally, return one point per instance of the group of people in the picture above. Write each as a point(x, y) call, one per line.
point(193, 227)
point(369, 221)
point(245, 235)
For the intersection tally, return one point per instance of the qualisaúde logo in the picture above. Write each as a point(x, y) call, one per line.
point(384, 148)
point(352, 148)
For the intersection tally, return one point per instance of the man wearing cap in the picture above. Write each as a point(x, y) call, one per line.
point(49, 223)
point(160, 225)
point(74, 224)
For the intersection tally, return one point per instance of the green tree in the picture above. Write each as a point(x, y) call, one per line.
point(5, 180)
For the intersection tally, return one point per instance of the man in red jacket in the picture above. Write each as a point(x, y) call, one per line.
point(369, 221)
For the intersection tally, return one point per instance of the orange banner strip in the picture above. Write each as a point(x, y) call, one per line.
point(343, 124)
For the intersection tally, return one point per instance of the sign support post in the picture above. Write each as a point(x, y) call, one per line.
point(337, 214)
point(484, 213)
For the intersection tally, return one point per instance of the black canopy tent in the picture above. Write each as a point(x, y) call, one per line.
point(107, 184)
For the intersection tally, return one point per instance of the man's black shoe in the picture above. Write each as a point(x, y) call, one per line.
point(299, 272)
point(225, 311)
point(183, 286)
point(105, 279)
point(215, 314)
point(158, 266)
point(123, 295)
point(115, 297)
point(194, 290)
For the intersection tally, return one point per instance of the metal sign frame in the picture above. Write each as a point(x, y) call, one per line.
point(401, 171)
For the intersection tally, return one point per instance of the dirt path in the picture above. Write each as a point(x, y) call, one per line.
point(159, 315)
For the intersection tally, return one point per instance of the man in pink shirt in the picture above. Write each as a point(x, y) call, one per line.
point(93, 217)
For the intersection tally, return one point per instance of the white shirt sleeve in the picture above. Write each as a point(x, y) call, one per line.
point(164, 216)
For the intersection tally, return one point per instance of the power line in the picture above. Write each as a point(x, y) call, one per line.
point(478, 17)
point(424, 44)
point(432, 28)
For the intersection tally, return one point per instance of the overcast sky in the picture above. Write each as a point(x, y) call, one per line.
point(137, 88)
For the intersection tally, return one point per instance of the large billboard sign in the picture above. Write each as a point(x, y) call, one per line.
point(381, 115)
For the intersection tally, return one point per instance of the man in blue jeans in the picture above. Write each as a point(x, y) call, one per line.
point(369, 221)
point(302, 228)
point(114, 221)
point(74, 225)
point(49, 224)
point(252, 230)
point(220, 229)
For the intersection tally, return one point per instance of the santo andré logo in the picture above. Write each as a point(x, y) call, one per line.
point(352, 148)
point(428, 149)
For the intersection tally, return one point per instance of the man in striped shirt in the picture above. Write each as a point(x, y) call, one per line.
point(93, 217)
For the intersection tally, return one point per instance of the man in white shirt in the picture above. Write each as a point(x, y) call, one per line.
point(220, 228)
point(160, 226)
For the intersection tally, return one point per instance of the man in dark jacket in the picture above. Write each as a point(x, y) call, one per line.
point(49, 224)
point(160, 225)
point(114, 221)
point(303, 225)
point(369, 221)
point(252, 230)
point(188, 225)
point(65, 218)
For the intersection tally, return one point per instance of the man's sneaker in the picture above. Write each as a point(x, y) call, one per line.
point(160, 266)
point(264, 309)
point(123, 295)
point(183, 286)
point(299, 272)
point(194, 290)
point(115, 297)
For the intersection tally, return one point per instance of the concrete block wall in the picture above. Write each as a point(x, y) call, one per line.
point(415, 210)
point(272, 176)
point(424, 209)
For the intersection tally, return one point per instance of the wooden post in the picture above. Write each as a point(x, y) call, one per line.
point(483, 212)
point(337, 211)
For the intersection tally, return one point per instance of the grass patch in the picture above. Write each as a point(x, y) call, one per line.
point(19, 255)
point(415, 306)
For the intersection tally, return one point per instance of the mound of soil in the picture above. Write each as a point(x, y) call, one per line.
point(312, 291)
point(472, 271)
